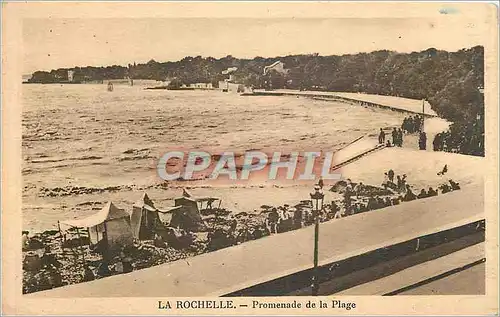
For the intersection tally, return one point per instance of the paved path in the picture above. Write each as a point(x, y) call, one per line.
point(390, 102)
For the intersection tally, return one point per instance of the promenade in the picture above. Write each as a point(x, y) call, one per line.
point(235, 268)
point(410, 106)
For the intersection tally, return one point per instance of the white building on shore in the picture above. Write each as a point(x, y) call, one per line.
point(277, 66)
point(228, 84)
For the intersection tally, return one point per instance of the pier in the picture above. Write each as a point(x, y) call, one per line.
point(404, 105)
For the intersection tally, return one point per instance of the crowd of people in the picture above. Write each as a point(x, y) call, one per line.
point(465, 139)
point(412, 124)
point(397, 138)
point(46, 271)
point(397, 190)
point(441, 141)
point(356, 198)
point(286, 218)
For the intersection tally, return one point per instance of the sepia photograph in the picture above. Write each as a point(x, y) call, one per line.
point(256, 162)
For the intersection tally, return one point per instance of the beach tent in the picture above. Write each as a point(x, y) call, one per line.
point(187, 216)
point(110, 225)
point(209, 200)
point(144, 218)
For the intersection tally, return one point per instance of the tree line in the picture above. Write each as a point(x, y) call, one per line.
point(451, 81)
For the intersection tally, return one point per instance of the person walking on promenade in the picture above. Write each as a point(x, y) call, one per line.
point(401, 182)
point(436, 143)
point(404, 186)
point(321, 183)
point(394, 134)
point(410, 125)
point(400, 138)
point(381, 137)
point(422, 142)
point(390, 173)
point(385, 183)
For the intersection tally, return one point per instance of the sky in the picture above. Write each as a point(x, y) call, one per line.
point(55, 43)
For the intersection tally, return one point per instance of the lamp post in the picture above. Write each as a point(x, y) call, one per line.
point(317, 202)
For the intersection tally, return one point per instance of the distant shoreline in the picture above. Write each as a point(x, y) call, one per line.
point(58, 83)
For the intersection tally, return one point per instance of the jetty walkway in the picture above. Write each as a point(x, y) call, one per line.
point(405, 105)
